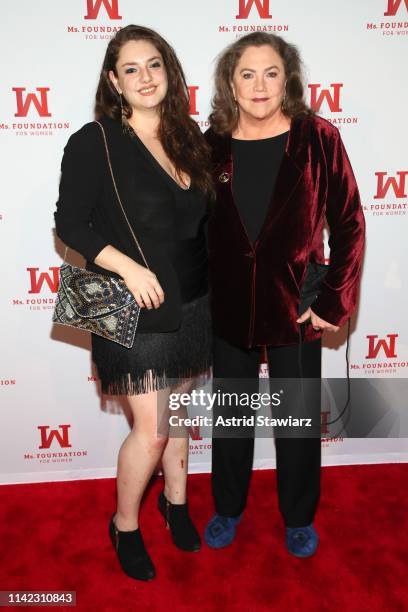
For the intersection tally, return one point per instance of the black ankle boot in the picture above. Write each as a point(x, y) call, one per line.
point(183, 532)
point(132, 554)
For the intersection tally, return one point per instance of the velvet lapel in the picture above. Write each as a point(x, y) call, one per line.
point(224, 176)
point(289, 175)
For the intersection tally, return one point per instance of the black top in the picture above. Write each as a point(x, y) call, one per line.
point(184, 209)
point(256, 166)
point(167, 220)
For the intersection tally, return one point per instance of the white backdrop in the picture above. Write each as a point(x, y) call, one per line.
point(54, 423)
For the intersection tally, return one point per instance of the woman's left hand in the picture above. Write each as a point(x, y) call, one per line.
point(317, 323)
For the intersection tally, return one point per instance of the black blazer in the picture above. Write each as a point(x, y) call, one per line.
point(89, 217)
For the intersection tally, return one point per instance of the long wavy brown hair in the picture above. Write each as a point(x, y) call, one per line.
point(224, 116)
point(179, 134)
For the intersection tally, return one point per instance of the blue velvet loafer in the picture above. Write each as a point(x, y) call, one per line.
point(302, 541)
point(221, 530)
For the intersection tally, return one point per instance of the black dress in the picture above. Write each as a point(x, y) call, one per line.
point(173, 219)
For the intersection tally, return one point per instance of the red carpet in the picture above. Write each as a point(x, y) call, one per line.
point(54, 537)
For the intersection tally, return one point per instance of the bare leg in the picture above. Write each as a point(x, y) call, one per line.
point(175, 456)
point(138, 456)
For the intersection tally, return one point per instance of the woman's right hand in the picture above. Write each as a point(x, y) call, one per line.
point(143, 284)
point(140, 281)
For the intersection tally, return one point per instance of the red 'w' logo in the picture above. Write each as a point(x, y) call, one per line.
point(262, 6)
point(192, 90)
point(194, 432)
point(393, 7)
point(374, 346)
point(37, 282)
point(23, 106)
point(384, 185)
point(94, 6)
point(332, 100)
point(61, 437)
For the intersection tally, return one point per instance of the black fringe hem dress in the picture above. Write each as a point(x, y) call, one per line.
point(157, 360)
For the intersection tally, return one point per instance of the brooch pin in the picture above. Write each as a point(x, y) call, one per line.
point(224, 177)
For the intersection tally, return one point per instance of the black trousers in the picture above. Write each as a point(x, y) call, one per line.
point(298, 460)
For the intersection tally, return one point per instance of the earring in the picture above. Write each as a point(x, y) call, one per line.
point(284, 100)
point(125, 126)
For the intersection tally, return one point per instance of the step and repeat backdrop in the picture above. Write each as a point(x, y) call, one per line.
point(54, 422)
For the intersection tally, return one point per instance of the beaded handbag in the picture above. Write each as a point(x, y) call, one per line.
point(96, 302)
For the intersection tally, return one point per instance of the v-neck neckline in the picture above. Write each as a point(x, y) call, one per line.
point(155, 161)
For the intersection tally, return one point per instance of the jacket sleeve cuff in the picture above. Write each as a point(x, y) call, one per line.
point(334, 307)
point(80, 238)
point(92, 250)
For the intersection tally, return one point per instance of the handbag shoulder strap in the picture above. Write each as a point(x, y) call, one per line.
point(118, 196)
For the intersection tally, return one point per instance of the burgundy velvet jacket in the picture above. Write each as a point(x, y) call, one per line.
point(255, 287)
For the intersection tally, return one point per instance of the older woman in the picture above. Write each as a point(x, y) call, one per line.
point(160, 165)
point(280, 172)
